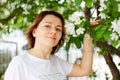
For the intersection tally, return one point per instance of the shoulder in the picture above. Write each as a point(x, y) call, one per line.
point(14, 68)
point(17, 60)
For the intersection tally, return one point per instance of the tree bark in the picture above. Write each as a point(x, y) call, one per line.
point(87, 14)
point(112, 66)
point(108, 58)
point(110, 48)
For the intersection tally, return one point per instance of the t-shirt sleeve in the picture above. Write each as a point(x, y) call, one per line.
point(65, 66)
point(12, 72)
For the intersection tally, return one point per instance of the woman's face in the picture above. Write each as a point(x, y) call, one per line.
point(49, 31)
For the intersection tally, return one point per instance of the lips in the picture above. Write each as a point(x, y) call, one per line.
point(52, 38)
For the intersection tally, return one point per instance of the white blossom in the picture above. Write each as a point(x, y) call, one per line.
point(61, 10)
point(119, 7)
point(102, 15)
point(114, 36)
point(75, 17)
point(118, 45)
point(70, 28)
point(116, 26)
point(96, 50)
point(43, 9)
point(102, 7)
point(26, 7)
point(109, 42)
point(80, 31)
point(61, 1)
point(25, 12)
point(12, 6)
point(3, 1)
point(1, 25)
point(36, 2)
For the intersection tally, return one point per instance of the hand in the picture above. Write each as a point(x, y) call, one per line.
point(87, 45)
point(95, 23)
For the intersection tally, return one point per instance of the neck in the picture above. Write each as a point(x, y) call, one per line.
point(41, 52)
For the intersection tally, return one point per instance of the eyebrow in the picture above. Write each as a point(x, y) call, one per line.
point(51, 23)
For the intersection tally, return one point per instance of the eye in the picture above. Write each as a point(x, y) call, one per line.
point(48, 26)
point(58, 29)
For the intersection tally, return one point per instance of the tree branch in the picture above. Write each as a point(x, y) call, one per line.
point(111, 48)
point(16, 12)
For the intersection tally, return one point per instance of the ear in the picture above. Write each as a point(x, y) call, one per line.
point(34, 32)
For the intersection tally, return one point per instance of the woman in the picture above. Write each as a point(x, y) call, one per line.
point(45, 36)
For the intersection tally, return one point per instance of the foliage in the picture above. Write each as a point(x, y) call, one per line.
point(19, 14)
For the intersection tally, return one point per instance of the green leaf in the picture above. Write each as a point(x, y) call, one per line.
point(20, 20)
point(107, 35)
point(12, 0)
point(112, 9)
point(68, 43)
point(67, 46)
point(88, 3)
point(97, 28)
point(77, 43)
point(100, 33)
point(87, 25)
point(115, 43)
point(101, 52)
point(82, 24)
point(78, 2)
point(115, 10)
point(118, 64)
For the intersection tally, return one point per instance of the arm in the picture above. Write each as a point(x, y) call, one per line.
point(85, 67)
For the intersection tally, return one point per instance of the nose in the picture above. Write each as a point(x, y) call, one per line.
point(53, 31)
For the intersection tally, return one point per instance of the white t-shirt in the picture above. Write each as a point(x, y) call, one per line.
point(28, 67)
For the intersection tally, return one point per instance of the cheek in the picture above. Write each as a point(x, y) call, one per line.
point(40, 32)
point(59, 37)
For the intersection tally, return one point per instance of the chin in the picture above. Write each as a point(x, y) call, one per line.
point(51, 44)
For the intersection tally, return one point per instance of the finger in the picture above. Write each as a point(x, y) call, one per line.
point(87, 39)
point(98, 20)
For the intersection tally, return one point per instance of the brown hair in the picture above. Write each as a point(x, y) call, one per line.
point(37, 20)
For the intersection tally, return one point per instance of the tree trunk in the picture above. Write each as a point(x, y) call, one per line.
point(87, 14)
point(112, 66)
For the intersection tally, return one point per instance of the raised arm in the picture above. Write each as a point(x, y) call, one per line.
point(85, 66)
